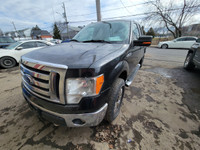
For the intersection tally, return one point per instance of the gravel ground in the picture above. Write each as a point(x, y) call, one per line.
point(160, 111)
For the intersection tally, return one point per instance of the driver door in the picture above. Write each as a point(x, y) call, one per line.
point(134, 53)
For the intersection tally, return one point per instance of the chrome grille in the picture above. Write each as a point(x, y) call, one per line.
point(44, 80)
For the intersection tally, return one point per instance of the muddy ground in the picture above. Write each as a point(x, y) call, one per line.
point(161, 110)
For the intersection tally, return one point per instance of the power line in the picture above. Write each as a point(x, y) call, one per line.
point(140, 14)
point(153, 12)
point(125, 7)
point(111, 9)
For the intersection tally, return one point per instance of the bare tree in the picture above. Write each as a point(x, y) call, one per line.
point(173, 14)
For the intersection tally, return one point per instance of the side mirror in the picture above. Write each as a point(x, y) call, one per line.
point(143, 41)
point(19, 48)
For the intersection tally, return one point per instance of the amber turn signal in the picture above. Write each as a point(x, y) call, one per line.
point(99, 83)
point(146, 43)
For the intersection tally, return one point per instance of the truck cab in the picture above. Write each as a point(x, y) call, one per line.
point(82, 82)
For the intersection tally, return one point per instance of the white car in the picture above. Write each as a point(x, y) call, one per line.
point(56, 41)
point(182, 42)
point(10, 55)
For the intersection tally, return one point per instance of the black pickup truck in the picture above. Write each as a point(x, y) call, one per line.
point(192, 59)
point(82, 82)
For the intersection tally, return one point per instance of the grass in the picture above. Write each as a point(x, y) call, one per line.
point(156, 40)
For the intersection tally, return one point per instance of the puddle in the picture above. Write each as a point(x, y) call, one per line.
point(162, 71)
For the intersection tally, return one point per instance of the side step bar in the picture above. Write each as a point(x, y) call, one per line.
point(132, 75)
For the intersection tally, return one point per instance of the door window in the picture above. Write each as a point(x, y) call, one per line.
point(181, 39)
point(28, 45)
point(190, 39)
point(135, 31)
point(41, 44)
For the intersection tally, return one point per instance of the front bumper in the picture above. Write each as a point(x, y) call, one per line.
point(71, 120)
point(159, 45)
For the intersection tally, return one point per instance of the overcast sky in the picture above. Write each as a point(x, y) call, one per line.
point(28, 13)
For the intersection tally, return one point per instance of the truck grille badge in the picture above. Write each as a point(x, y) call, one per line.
point(29, 79)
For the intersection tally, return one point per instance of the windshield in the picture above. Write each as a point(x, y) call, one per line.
point(112, 31)
point(6, 40)
point(13, 45)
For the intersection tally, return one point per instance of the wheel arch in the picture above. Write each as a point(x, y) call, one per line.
point(165, 44)
point(10, 57)
point(121, 70)
point(190, 51)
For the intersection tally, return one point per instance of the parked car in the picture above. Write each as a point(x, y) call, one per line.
point(66, 41)
point(10, 55)
point(81, 82)
point(182, 42)
point(193, 57)
point(5, 41)
point(56, 41)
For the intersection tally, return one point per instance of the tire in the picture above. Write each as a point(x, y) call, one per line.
point(115, 96)
point(188, 63)
point(164, 46)
point(7, 62)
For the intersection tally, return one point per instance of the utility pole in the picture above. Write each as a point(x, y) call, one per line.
point(98, 9)
point(15, 29)
point(65, 17)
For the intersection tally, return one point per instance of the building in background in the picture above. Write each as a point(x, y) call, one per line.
point(63, 30)
point(37, 33)
point(24, 34)
point(70, 34)
point(41, 34)
point(28, 34)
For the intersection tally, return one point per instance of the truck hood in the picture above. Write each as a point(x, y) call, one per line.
point(74, 55)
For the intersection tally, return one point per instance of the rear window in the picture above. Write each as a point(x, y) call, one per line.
point(191, 39)
point(6, 40)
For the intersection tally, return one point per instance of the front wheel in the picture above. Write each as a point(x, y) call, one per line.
point(115, 97)
point(164, 46)
point(188, 64)
point(7, 62)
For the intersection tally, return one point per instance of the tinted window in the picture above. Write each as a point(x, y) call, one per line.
point(28, 45)
point(13, 45)
point(135, 31)
point(40, 44)
point(181, 39)
point(191, 39)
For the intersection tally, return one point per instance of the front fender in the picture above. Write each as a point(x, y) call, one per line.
point(5, 53)
point(117, 70)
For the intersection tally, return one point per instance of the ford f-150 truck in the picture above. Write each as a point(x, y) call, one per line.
point(82, 82)
point(192, 59)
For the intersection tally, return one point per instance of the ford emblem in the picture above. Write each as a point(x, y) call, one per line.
point(29, 78)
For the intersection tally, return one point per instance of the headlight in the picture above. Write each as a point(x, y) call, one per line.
point(76, 88)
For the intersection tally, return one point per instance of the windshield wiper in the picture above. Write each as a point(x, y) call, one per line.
point(74, 40)
point(96, 41)
point(108, 23)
